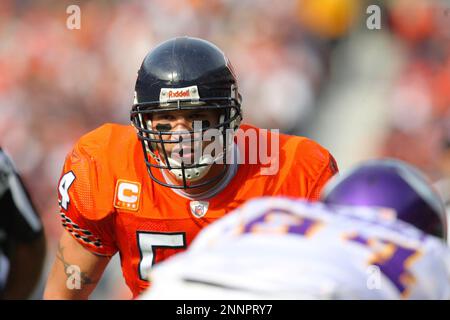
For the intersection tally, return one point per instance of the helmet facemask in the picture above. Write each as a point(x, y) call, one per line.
point(187, 173)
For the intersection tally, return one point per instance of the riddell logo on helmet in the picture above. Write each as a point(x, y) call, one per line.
point(179, 94)
point(174, 94)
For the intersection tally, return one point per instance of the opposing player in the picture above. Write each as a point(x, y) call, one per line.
point(22, 240)
point(147, 195)
point(379, 235)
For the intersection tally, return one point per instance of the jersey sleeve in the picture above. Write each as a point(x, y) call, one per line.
point(329, 169)
point(85, 202)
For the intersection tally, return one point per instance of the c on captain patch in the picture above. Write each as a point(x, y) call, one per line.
point(127, 195)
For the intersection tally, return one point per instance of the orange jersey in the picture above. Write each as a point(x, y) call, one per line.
point(109, 204)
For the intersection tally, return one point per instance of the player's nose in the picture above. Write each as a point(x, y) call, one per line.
point(182, 126)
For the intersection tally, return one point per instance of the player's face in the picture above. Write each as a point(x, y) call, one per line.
point(184, 120)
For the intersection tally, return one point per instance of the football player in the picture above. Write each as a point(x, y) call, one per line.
point(378, 234)
point(147, 189)
point(22, 240)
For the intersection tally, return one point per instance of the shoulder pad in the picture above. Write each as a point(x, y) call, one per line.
point(93, 161)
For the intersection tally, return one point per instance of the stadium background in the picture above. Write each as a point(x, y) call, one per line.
point(307, 67)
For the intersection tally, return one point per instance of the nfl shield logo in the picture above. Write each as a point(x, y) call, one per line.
point(199, 208)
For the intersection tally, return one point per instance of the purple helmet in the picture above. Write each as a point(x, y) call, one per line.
point(392, 184)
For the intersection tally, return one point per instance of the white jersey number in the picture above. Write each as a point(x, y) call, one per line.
point(149, 241)
point(64, 185)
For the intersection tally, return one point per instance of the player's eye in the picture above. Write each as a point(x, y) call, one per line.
point(196, 123)
point(206, 124)
point(201, 117)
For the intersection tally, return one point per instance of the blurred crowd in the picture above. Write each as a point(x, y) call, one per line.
point(307, 67)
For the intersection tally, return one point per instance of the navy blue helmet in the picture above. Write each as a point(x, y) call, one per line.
point(184, 73)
